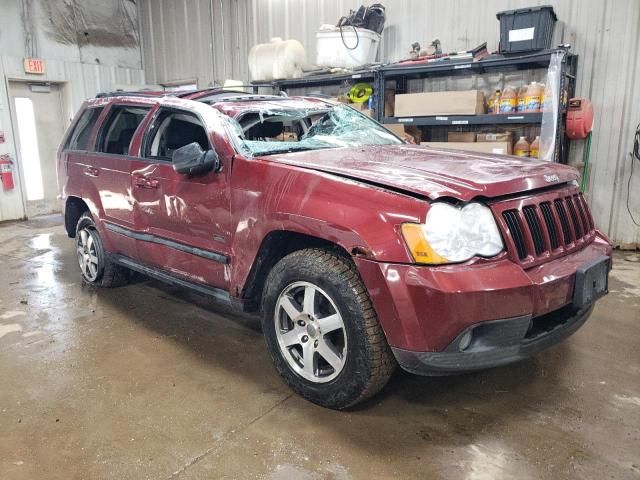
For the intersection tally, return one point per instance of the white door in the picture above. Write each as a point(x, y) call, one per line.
point(38, 122)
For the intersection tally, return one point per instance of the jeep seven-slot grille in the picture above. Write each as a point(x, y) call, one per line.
point(539, 229)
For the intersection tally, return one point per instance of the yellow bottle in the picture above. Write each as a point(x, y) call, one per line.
point(535, 147)
point(521, 148)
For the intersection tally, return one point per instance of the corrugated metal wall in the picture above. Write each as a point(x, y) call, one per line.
point(209, 40)
point(28, 29)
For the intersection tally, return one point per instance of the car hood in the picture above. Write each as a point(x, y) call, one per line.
point(433, 173)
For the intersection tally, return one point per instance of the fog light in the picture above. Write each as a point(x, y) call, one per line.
point(465, 341)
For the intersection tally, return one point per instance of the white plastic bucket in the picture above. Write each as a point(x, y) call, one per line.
point(332, 51)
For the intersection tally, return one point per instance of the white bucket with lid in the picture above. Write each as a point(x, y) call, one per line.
point(354, 51)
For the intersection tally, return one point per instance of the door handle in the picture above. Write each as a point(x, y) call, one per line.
point(91, 172)
point(143, 182)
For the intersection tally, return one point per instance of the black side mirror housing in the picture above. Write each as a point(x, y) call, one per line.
point(191, 159)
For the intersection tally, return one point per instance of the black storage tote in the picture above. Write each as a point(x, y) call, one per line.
point(526, 29)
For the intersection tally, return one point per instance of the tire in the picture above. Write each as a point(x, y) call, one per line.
point(95, 266)
point(358, 361)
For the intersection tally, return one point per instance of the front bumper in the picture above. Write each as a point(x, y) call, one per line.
point(496, 343)
point(425, 310)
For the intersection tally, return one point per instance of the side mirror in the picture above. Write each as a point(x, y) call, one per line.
point(192, 160)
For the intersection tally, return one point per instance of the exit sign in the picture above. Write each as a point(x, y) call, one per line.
point(34, 65)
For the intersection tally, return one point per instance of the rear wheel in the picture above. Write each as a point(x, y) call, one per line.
point(322, 331)
point(95, 266)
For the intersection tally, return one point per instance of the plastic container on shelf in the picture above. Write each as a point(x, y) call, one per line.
point(522, 148)
point(533, 97)
point(521, 100)
point(276, 60)
point(353, 48)
point(526, 29)
point(494, 102)
point(508, 100)
point(534, 148)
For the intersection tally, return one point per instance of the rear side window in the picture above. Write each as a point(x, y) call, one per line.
point(171, 130)
point(79, 138)
point(118, 130)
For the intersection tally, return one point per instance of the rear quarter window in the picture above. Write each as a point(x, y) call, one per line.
point(79, 137)
point(119, 128)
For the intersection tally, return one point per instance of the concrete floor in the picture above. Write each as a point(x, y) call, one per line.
point(148, 381)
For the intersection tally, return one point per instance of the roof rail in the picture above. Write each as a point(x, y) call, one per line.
point(139, 93)
point(213, 90)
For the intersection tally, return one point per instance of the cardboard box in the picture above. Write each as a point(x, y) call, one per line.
point(495, 137)
point(396, 128)
point(389, 103)
point(503, 148)
point(407, 132)
point(463, 102)
point(461, 136)
point(285, 137)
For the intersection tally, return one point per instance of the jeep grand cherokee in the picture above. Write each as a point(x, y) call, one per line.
point(360, 252)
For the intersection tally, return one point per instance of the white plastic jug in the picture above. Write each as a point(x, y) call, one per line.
point(276, 59)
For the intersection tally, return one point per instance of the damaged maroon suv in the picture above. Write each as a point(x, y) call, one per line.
point(360, 252)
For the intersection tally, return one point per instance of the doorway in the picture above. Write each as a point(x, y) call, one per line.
point(38, 124)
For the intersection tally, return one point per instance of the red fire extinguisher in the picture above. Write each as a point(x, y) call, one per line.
point(5, 172)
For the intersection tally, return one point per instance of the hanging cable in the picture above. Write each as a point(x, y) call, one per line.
point(635, 155)
point(341, 24)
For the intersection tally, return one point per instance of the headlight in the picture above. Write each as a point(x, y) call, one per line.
point(453, 234)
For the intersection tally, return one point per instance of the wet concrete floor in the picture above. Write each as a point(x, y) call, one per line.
point(149, 381)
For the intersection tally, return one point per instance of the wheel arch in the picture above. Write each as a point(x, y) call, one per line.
point(73, 210)
point(275, 246)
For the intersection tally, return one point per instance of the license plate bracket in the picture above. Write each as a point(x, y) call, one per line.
point(592, 282)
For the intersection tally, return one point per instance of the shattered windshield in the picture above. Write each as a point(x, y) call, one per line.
point(267, 132)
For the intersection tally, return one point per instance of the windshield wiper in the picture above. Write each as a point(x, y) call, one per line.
point(285, 150)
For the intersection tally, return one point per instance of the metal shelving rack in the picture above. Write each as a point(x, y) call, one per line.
point(400, 75)
point(327, 79)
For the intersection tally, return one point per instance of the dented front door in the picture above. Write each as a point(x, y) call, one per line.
point(183, 220)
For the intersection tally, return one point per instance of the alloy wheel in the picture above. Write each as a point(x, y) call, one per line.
point(87, 255)
point(310, 332)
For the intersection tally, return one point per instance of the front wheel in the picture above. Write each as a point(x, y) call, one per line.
point(322, 331)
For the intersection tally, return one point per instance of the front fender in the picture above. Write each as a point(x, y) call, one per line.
point(270, 196)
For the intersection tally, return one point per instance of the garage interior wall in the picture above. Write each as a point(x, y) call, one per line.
point(88, 47)
point(209, 40)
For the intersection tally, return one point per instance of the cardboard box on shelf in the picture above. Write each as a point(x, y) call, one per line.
point(503, 148)
point(405, 131)
point(495, 137)
point(461, 136)
point(389, 102)
point(340, 99)
point(463, 102)
point(396, 128)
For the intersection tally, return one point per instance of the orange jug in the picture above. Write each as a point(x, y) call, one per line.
point(533, 97)
point(522, 93)
point(495, 107)
point(490, 102)
point(521, 148)
point(508, 100)
point(535, 147)
point(543, 89)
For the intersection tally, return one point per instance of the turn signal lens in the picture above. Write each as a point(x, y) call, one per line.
point(418, 245)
